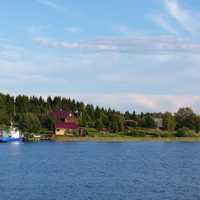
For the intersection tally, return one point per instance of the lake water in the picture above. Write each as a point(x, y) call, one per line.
point(100, 171)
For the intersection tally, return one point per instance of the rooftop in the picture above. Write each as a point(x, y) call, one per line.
point(70, 125)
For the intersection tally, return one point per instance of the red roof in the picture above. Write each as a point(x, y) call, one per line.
point(60, 114)
point(70, 125)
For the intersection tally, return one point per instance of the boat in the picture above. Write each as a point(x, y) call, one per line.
point(11, 135)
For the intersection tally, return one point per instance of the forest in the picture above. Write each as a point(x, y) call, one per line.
point(31, 114)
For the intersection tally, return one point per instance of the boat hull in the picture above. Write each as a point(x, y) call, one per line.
point(10, 139)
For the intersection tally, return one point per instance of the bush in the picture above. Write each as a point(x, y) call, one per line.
point(142, 132)
point(91, 131)
point(184, 132)
point(167, 134)
point(43, 131)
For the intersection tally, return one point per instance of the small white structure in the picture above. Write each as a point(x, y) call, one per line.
point(159, 122)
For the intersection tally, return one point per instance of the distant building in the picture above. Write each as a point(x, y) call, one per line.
point(65, 123)
point(158, 122)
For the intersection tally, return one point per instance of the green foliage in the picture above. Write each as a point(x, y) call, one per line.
point(147, 121)
point(83, 119)
point(91, 132)
point(131, 123)
point(99, 124)
point(184, 132)
point(116, 122)
point(46, 123)
point(197, 124)
point(185, 117)
point(30, 114)
point(139, 132)
point(29, 123)
point(6, 109)
point(169, 122)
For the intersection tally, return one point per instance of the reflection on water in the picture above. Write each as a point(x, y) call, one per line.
point(14, 148)
point(15, 143)
point(100, 171)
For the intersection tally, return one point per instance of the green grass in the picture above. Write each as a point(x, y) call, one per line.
point(118, 138)
point(91, 134)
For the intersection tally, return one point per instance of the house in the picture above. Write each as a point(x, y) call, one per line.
point(65, 123)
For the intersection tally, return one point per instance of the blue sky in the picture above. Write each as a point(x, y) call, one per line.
point(130, 55)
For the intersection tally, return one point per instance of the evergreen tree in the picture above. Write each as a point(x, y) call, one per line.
point(99, 124)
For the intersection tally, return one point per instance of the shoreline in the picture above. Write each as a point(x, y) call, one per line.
point(124, 139)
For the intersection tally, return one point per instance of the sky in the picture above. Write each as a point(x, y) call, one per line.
point(125, 54)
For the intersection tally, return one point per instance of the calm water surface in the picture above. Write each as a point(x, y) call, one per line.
point(100, 171)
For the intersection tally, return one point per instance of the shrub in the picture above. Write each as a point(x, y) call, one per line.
point(91, 131)
point(184, 132)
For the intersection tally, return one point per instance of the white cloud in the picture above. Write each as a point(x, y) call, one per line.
point(39, 29)
point(160, 20)
point(184, 17)
point(52, 4)
point(136, 45)
point(141, 102)
point(121, 81)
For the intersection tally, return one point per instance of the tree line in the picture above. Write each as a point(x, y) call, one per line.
point(31, 114)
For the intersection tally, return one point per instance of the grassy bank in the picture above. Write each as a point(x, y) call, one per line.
point(125, 139)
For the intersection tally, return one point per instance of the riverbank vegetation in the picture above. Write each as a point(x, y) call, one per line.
point(30, 115)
